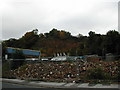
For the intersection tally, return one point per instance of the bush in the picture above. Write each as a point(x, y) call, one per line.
point(16, 64)
point(5, 69)
point(7, 66)
point(117, 76)
point(98, 74)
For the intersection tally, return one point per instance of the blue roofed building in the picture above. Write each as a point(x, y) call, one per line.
point(26, 52)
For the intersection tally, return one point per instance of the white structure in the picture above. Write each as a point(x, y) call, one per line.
point(6, 57)
point(59, 58)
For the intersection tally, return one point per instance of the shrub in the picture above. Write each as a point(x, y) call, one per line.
point(98, 74)
point(5, 69)
point(16, 64)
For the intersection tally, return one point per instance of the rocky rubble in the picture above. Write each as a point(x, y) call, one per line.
point(62, 71)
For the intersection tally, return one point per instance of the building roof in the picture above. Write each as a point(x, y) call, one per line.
point(24, 51)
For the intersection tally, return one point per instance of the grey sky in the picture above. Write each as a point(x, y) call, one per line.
point(75, 16)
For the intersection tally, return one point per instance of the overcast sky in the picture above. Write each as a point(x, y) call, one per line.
point(75, 16)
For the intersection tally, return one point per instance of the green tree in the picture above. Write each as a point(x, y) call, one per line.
point(54, 33)
point(112, 42)
point(17, 63)
point(18, 55)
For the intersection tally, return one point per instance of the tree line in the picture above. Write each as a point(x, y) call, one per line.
point(61, 41)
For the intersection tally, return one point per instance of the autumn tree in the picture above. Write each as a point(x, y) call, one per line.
point(61, 41)
point(28, 40)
